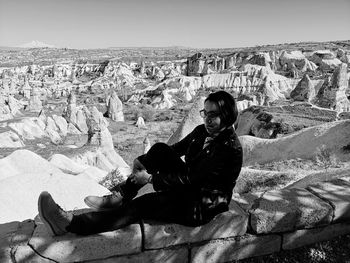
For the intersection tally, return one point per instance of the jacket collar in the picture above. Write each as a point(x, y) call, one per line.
point(223, 135)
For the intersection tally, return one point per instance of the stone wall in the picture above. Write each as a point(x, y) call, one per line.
point(256, 224)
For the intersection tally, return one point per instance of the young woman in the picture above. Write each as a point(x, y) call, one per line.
point(189, 193)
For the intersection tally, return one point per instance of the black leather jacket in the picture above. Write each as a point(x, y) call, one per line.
point(212, 171)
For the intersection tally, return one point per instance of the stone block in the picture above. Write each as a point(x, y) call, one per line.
point(346, 178)
point(287, 210)
point(225, 250)
point(337, 192)
point(246, 201)
point(231, 223)
point(175, 255)
point(306, 237)
point(25, 253)
point(7, 231)
point(19, 251)
point(74, 248)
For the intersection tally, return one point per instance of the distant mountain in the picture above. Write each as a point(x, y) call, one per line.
point(36, 44)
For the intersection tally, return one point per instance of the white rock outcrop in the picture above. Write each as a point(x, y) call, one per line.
point(115, 108)
point(302, 144)
point(332, 94)
point(304, 91)
point(190, 121)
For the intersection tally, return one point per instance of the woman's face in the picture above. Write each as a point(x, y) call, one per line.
point(212, 120)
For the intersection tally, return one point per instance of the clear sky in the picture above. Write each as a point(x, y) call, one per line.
point(190, 23)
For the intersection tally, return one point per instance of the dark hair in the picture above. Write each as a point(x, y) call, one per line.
point(227, 106)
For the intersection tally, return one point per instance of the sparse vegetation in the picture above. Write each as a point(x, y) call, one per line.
point(145, 111)
point(325, 158)
point(112, 179)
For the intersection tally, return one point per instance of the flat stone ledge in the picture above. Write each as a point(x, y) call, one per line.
point(231, 223)
point(247, 200)
point(225, 250)
point(337, 192)
point(74, 248)
point(13, 242)
point(179, 255)
point(306, 237)
point(287, 210)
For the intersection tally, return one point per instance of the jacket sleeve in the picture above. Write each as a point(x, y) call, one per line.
point(182, 146)
point(172, 179)
point(175, 179)
point(220, 171)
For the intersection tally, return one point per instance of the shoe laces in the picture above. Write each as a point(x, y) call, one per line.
point(63, 215)
point(112, 196)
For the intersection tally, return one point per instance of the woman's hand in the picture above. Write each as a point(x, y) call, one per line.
point(137, 166)
point(139, 173)
point(140, 177)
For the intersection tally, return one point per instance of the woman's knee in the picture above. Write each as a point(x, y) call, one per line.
point(160, 147)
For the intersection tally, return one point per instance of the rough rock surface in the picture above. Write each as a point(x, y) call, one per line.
point(70, 111)
point(304, 91)
point(255, 121)
point(30, 174)
point(301, 144)
point(35, 103)
point(333, 93)
point(269, 122)
point(325, 59)
point(288, 210)
point(10, 139)
point(140, 123)
point(190, 121)
point(115, 108)
point(99, 135)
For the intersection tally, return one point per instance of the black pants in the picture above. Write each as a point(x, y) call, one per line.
point(169, 206)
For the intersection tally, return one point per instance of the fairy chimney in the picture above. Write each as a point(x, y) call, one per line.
point(71, 111)
point(332, 94)
point(140, 123)
point(115, 108)
point(98, 133)
point(35, 103)
point(304, 91)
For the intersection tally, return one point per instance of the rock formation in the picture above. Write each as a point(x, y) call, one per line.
point(332, 94)
point(189, 122)
point(296, 61)
point(5, 87)
point(195, 65)
point(256, 122)
point(164, 101)
point(302, 144)
point(10, 139)
point(35, 103)
point(343, 56)
point(75, 116)
point(304, 91)
point(146, 145)
point(99, 135)
point(325, 59)
point(140, 123)
point(159, 75)
point(69, 113)
point(26, 89)
point(261, 59)
point(115, 108)
point(30, 174)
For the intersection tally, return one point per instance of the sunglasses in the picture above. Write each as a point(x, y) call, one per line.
point(211, 114)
